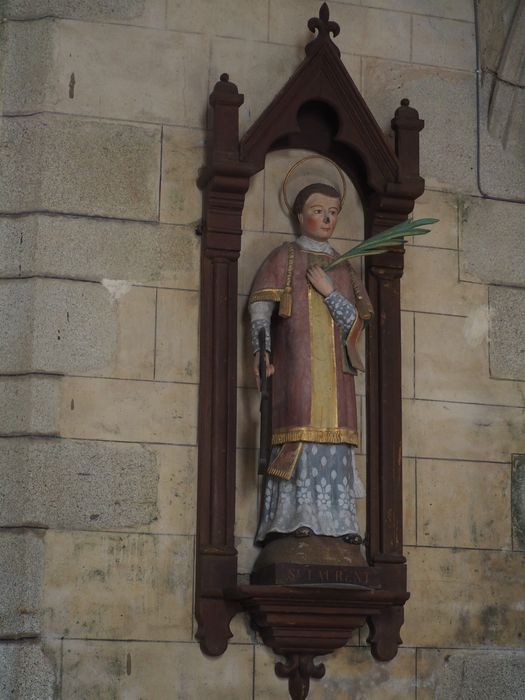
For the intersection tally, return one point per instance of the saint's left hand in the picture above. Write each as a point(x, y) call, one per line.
point(320, 280)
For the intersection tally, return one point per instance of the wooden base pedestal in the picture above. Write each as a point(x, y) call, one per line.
point(302, 622)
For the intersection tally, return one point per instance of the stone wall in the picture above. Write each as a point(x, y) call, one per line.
point(103, 129)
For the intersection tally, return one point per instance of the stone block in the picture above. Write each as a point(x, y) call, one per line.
point(80, 166)
point(461, 431)
point(458, 370)
point(502, 174)
point(163, 80)
point(248, 418)
point(118, 586)
point(253, 211)
point(135, 323)
point(409, 501)
point(243, 61)
point(246, 494)
point(439, 95)
point(430, 284)
point(28, 671)
point(447, 674)
point(29, 405)
point(177, 490)
point(491, 235)
point(182, 156)
point(16, 312)
point(68, 327)
point(518, 502)
point(128, 410)
point(443, 42)
point(463, 504)
point(150, 13)
point(248, 20)
point(77, 484)
point(247, 553)
point(13, 255)
point(453, 9)
point(21, 575)
point(104, 486)
point(475, 597)
point(507, 332)
point(98, 249)
point(351, 672)
point(241, 629)
point(442, 206)
point(407, 354)
point(352, 63)
point(177, 339)
point(350, 224)
point(98, 669)
point(364, 30)
point(27, 66)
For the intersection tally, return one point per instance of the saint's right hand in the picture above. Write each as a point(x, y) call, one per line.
point(270, 369)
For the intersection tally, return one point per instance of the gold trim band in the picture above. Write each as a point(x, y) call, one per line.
point(266, 295)
point(337, 436)
point(285, 305)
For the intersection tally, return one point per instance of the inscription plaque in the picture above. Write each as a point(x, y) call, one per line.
point(315, 575)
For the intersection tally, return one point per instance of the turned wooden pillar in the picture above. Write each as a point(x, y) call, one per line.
point(224, 182)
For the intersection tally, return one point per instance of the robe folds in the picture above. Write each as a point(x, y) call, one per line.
point(313, 386)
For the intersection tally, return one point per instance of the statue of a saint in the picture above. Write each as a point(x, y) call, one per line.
point(312, 320)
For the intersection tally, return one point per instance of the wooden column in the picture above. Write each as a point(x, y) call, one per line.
point(383, 416)
point(384, 403)
point(224, 181)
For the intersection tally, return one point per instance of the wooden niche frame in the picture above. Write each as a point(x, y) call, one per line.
point(321, 110)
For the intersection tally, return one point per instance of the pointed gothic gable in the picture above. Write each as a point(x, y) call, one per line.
point(321, 106)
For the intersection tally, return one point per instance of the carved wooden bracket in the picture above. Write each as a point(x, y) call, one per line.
point(303, 623)
point(319, 109)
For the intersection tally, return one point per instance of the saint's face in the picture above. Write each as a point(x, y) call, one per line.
point(319, 216)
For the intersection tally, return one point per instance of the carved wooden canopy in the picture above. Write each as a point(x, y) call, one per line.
point(319, 109)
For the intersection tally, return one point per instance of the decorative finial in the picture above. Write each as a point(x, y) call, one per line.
point(405, 114)
point(324, 28)
point(224, 87)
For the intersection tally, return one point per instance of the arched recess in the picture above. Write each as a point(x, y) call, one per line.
point(321, 110)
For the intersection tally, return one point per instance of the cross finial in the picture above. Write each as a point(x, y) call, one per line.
point(323, 25)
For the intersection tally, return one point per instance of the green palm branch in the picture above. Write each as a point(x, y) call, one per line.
point(391, 239)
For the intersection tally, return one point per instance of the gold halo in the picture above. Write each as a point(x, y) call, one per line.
point(300, 162)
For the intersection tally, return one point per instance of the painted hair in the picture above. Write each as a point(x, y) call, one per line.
point(315, 188)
